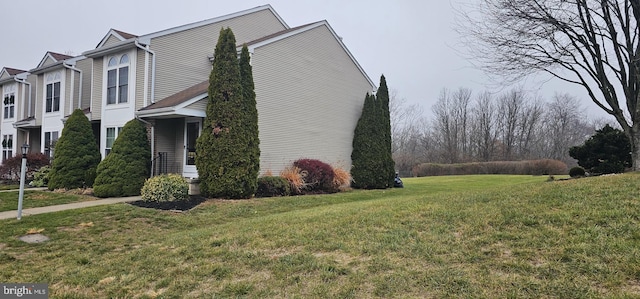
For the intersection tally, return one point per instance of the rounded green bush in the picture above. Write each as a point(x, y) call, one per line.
point(576, 172)
point(166, 187)
point(269, 186)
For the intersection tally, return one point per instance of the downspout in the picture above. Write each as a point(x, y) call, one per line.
point(153, 70)
point(24, 81)
point(153, 137)
point(71, 67)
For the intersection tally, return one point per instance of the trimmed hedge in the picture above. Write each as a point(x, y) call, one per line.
point(125, 169)
point(166, 187)
point(76, 155)
point(269, 186)
point(577, 172)
point(531, 167)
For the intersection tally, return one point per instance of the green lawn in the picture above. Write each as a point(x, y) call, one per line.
point(33, 199)
point(458, 236)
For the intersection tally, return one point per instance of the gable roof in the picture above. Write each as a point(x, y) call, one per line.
point(300, 29)
point(58, 60)
point(120, 35)
point(195, 93)
point(11, 71)
point(145, 39)
point(180, 97)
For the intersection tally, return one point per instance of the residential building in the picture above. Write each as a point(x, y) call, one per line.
point(309, 90)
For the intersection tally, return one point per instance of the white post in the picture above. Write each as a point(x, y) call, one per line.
point(23, 171)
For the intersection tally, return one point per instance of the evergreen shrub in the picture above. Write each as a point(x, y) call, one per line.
point(76, 155)
point(125, 169)
point(166, 187)
point(269, 186)
point(41, 177)
point(577, 172)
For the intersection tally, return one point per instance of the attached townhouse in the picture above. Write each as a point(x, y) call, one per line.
point(309, 90)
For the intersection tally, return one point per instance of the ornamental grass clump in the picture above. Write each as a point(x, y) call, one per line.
point(166, 187)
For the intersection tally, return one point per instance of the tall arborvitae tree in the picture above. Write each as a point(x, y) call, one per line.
point(367, 167)
point(382, 97)
point(76, 155)
point(125, 169)
point(251, 121)
point(225, 165)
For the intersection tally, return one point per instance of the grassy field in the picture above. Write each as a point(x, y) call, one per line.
point(459, 236)
point(34, 199)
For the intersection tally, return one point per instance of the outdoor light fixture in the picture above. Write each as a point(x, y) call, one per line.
point(23, 170)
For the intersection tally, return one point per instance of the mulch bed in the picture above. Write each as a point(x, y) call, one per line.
point(183, 205)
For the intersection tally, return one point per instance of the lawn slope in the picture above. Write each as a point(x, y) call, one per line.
point(460, 236)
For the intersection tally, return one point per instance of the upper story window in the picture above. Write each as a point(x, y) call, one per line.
point(118, 79)
point(52, 93)
point(9, 105)
point(9, 102)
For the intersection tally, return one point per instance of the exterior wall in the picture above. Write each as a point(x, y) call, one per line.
point(182, 57)
point(117, 115)
point(86, 66)
point(48, 61)
point(52, 121)
point(169, 138)
point(140, 78)
point(38, 89)
point(71, 96)
point(200, 105)
point(6, 124)
point(110, 41)
point(309, 96)
point(4, 75)
point(96, 89)
point(33, 80)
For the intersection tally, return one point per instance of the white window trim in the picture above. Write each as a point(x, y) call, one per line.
point(117, 68)
point(51, 78)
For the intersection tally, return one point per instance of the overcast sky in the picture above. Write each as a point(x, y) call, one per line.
point(413, 42)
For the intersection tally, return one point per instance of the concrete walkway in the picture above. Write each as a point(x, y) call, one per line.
point(69, 206)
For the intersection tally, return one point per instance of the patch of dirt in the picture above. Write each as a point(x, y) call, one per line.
point(184, 205)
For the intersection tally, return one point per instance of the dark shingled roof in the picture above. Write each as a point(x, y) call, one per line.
point(13, 72)
point(124, 34)
point(180, 97)
point(59, 57)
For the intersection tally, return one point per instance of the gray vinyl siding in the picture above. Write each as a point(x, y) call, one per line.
point(32, 79)
point(110, 41)
point(39, 99)
point(182, 58)
point(68, 92)
point(96, 93)
point(169, 139)
point(85, 66)
point(139, 84)
point(309, 96)
point(4, 75)
point(199, 105)
point(47, 61)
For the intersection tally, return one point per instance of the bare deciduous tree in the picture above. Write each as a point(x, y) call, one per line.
point(591, 43)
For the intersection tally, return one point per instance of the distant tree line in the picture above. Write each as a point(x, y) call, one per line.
point(481, 127)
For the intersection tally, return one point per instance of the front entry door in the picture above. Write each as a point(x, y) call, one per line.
point(192, 131)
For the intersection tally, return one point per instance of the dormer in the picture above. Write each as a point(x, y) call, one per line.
point(51, 60)
point(114, 37)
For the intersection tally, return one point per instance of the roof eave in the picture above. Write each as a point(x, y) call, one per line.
point(123, 45)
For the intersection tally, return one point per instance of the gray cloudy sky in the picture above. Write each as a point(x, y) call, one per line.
point(411, 41)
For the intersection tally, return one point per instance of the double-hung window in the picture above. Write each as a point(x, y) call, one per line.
point(7, 147)
point(50, 139)
point(9, 105)
point(118, 80)
point(53, 97)
point(112, 134)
